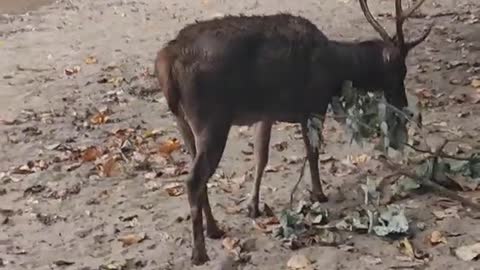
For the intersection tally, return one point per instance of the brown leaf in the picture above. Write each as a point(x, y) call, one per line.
point(23, 169)
point(9, 122)
point(233, 209)
point(168, 147)
point(90, 60)
point(152, 133)
point(110, 168)
point(266, 225)
point(299, 262)
point(424, 93)
point(71, 71)
point(131, 239)
point(91, 154)
point(293, 159)
point(463, 182)
point(34, 189)
point(451, 212)
point(175, 189)
point(475, 83)
point(99, 118)
point(230, 244)
point(468, 253)
point(116, 81)
point(360, 159)
point(276, 168)
point(474, 98)
point(436, 237)
point(152, 175)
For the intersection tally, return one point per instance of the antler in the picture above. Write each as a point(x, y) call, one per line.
point(368, 15)
point(400, 17)
point(413, 43)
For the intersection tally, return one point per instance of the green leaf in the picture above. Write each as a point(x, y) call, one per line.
point(392, 221)
point(291, 224)
point(425, 170)
point(404, 186)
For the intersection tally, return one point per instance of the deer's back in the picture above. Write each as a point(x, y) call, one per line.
point(256, 67)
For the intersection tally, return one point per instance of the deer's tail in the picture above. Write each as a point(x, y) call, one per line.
point(167, 82)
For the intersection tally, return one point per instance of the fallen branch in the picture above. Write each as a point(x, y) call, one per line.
point(428, 183)
point(423, 15)
point(441, 155)
point(302, 172)
point(441, 190)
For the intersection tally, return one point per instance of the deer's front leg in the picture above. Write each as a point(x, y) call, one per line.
point(317, 194)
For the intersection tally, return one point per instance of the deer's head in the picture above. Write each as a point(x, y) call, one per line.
point(395, 51)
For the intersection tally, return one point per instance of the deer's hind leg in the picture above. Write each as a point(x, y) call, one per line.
point(213, 231)
point(261, 148)
point(210, 139)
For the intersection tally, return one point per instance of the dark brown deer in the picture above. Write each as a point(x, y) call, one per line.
point(241, 70)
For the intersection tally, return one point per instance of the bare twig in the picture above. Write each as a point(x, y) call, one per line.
point(389, 15)
point(428, 182)
point(441, 190)
point(302, 172)
point(21, 68)
point(442, 155)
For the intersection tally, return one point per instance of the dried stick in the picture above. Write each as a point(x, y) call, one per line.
point(428, 182)
point(302, 172)
point(442, 155)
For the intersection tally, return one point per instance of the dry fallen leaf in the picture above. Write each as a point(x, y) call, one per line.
point(463, 182)
point(468, 253)
point(436, 237)
point(131, 239)
point(152, 175)
point(424, 93)
point(99, 118)
point(233, 209)
point(266, 225)
point(91, 154)
point(475, 83)
point(152, 133)
point(299, 262)
point(110, 168)
point(90, 60)
point(71, 71)
point(175, 189)
point(168, 147)
point(451, 212)
point(406, 248)
point(360, 159)
point(23, 169)
point(474, 98)
point(116, 81)
point(230, 244)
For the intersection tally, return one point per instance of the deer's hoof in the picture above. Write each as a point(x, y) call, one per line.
point(215, 232)
point(199, 257)
point(318, 197)
point(253, 211)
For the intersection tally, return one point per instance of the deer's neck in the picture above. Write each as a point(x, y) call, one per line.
point(359, 62)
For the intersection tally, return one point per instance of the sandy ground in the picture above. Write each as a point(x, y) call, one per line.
point(64, 213)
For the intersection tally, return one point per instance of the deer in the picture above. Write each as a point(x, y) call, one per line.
point(255, 70)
